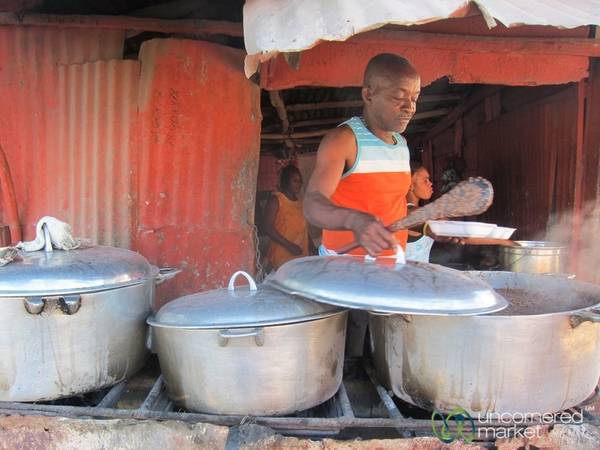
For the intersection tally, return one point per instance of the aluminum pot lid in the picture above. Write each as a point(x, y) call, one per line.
point(239, 307)
point(386, 286)
point(82, 270)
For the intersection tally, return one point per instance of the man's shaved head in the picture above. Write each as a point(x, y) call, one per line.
point(390, 92)
point(388, 66)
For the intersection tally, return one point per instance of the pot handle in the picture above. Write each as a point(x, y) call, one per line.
point(246, 275)
point(584, 316)
point(166, 273)
point(150, 339)
point(400, 256)
point(257, 333)
point(68, 304)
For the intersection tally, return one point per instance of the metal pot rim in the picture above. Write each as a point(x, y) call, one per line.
point(272, 323)
point(59, 292)
point(527, 246)
point(591, 308)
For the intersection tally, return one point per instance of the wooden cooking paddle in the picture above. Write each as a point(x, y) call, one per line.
point(467, 198)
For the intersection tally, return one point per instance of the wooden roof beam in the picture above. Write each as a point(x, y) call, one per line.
point(493, 44)
point(185, 26)
point(469, 102)
point(315, 133)
point(359, 103)
point(337, 120)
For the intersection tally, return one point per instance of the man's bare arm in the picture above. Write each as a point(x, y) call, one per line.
point(337, 150)
point(331, 161)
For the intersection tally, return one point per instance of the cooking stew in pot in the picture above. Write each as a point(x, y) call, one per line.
point(523, 302)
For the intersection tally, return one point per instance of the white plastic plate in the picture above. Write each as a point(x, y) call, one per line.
point(461, 229)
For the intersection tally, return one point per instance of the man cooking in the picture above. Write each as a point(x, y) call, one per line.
point(362, 173)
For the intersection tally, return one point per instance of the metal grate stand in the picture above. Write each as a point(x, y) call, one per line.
point(327, 419)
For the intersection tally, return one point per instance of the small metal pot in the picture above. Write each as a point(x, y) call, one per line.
point(251, 351)
point(73, 321)
point(534, 257)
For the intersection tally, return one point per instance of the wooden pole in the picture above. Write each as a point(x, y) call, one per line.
point(9, 199)
point(578, 207)
point(277, 102)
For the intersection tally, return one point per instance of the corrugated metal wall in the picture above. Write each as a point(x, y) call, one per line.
point(200, 126)
point(524, 141)
point(57, 125)
point(160, 154)
point(529, 156)
point(589, 258)
point(90, 157)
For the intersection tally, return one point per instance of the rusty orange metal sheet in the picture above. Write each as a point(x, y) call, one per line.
point(57, 126)
point(159, 155)
point(340, 64)
point(199, 121)
point(90, 151)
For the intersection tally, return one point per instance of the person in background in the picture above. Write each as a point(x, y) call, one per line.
point(284, 220)
point(421, 188)
point(421, 239)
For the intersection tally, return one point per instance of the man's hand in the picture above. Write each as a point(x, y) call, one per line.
point(445, 239)
point(370, 233)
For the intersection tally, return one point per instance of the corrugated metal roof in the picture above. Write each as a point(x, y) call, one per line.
point(272, 26)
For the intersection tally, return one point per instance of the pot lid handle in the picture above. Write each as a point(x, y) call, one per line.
point(47, 239)
point(251, 283)
point(400, 256)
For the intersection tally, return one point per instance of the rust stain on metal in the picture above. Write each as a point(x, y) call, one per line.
point(159, 155)
point(199, 162)
point(62, 126)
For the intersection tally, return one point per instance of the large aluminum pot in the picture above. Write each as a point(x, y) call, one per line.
point(541, 354)
point(534, 257)
point(250, 351)
point(72, 322)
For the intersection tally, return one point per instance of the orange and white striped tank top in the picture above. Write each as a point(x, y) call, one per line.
point(377, 184)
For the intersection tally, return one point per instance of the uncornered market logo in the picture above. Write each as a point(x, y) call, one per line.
point(462, 419)
point(497, 425)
